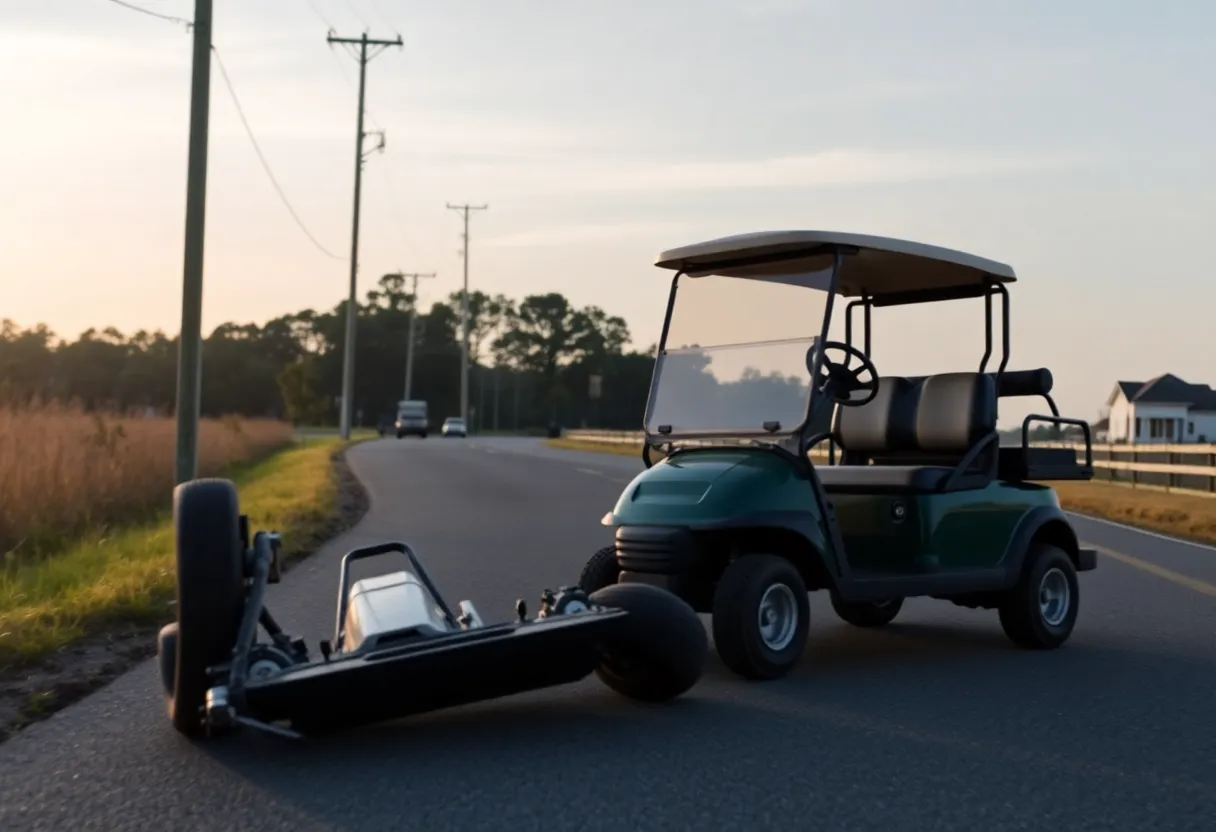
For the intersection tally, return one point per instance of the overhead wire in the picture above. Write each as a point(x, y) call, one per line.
point(189, 24)
point(355, 12)
point(245, 121)
point(318, 13)
point(390, 189)
point(383, 17)
point(262, 157)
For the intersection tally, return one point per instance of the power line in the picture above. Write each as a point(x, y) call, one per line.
point(348, 357)
point(391, 181)
point(190, 345)
point(317, 12)
point(179, 20)
point(383, 18)
point(266, 165)
point(409, 350)
point(464, 309)
point(355, 12)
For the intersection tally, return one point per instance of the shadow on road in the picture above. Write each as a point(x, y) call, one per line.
point(953, 699)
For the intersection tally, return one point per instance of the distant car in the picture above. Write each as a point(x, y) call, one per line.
point(454, 427)
point(411, 419)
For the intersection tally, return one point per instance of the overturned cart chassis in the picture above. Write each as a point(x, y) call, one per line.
point(398, 649)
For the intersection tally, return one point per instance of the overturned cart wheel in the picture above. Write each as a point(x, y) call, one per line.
point(210, 597)
point(601, 570)
point(659, 651)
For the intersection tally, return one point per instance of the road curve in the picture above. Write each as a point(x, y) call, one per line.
point(934, 724)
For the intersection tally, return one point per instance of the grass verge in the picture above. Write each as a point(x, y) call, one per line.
point(1177, 514)
point(71, 622)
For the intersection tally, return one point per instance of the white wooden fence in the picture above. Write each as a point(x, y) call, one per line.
point(1185, 468)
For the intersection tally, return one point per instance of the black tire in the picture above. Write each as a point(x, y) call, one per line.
point(736, 616)
point(601, 570)
point(659, 651)
point(1029, 617)
point(867, 613)
point(210, 592)
point(400, 435)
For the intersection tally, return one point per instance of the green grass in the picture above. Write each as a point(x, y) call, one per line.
point(128, 575)
point(1188, 516)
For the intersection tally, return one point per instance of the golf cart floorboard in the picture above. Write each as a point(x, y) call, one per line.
point(862, 586)
point(433, 673)
point(879, 586)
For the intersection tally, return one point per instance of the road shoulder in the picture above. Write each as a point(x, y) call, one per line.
point(55, 660)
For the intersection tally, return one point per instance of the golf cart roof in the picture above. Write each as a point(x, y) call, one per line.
point(875, 266)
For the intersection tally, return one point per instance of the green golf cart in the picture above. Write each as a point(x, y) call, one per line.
point(791, 465)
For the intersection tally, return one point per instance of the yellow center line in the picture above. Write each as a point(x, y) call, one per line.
point(1160, 571)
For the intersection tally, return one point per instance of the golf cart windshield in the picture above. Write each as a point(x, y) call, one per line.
point(735, 361)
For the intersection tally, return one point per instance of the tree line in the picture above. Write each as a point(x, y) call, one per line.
point(531, 363)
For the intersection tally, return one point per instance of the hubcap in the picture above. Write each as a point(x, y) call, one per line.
point(1055, 597)
point(778, 617)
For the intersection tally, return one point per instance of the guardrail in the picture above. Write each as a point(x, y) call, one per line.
point(1185, 468)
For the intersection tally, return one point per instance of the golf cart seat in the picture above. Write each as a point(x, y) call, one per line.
point(925, 436)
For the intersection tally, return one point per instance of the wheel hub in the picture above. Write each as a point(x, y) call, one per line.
point(1055, 597)
point(778, 617)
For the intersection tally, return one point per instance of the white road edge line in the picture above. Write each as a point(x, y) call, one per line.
point(591, 471)
point(1158, 535)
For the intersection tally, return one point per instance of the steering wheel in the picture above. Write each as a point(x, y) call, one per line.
point(842, 382)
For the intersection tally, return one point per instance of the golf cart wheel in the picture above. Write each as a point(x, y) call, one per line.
point(659, 651)
point(867, 613)
point(210, 593)
point(761, 616)
point(1041, 609)
point(600, 571)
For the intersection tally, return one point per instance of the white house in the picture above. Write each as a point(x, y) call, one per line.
point(1165, 410)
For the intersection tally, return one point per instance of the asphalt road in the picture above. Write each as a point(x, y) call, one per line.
point(937, 723)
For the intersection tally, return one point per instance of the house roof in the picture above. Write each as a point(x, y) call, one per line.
point(1169, 389)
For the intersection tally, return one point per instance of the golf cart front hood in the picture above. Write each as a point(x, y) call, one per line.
point(711, 485)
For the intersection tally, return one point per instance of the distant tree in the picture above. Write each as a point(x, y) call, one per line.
point(544, 349)
point(487, 318)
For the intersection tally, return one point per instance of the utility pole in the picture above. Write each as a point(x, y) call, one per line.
point(409, 347)
point(352, 304)
point(190, 342)
point(464, 311)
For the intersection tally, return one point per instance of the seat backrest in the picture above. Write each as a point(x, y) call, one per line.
point(954, 412)
point(933, 420)
point(884, 425)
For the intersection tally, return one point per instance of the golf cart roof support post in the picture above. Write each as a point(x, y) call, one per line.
point(987, 331)
point(865, 302)
point(1005, 340)
point(654, 372)
point(869, 305)
point(817, 363)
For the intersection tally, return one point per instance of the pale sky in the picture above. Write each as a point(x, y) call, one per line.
point(1073, 140)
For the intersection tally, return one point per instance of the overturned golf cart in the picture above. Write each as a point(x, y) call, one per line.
point(398, 648)
point(916, 496)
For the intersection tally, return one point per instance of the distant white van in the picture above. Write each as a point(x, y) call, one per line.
point(411, 419)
